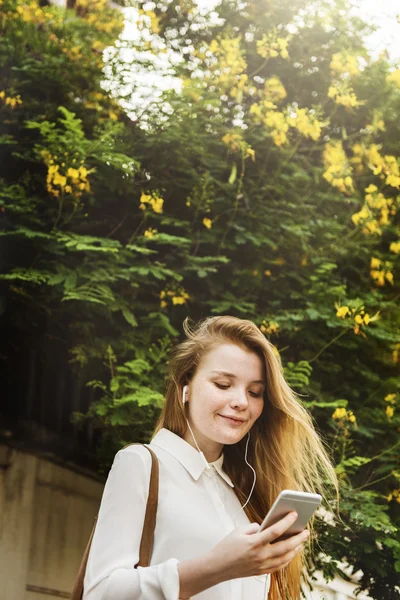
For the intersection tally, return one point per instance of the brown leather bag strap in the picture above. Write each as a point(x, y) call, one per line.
point(146, 543)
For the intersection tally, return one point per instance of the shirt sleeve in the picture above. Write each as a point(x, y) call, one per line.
point(110, 572)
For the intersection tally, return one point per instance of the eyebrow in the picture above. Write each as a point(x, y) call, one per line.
point(233, 376)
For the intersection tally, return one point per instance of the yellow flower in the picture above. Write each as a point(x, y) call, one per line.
point(361, 216)
point(342, 311)
point(389, 411)
point(145, 198)
point(157, 205)
point(372, 227)
point(395, 247)
point(207, 223)
point(272, 46)
point(389, 277)
point(394, 77)
point(234, 141)
point(394, 495)
point(73, 173)
point(83, 172)
point(390, 398)
point(271, 328)
point(155, 202)
point(150, 233)
point(277, 123)
point(375, 263)
point(267, 273)
point(343, 63)
point(371, 189)
point(12, 101)
point(274, 90)
point(339, 413)
point(378, 277)
point(60, 180)
point(338, 170)
point(163, 304)
point(307, 124)
point(393, 180)
point(229, 72)
point(251, 153)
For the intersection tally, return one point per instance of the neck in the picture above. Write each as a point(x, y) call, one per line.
point(211, 450)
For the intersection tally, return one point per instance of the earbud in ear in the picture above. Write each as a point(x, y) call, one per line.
point(184, 394)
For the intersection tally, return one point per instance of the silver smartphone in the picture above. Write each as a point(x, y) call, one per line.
point(304, 503)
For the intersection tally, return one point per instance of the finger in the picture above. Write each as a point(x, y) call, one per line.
point(282, 561)
point(274, 531)
point(295, 541)
point(252, 528)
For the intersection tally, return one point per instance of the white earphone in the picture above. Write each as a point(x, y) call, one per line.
point(184, 393)
point(184, 400)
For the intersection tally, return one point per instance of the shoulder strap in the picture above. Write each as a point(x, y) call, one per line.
point(146, 543)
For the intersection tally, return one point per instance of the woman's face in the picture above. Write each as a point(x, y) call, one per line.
point(224, 398)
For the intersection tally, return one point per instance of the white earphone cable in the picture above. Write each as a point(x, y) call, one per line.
point(247, 463)
point(194, 439)
point(254, 478)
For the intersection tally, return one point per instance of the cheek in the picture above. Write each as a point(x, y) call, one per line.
point(257, 410)
point(207, 399)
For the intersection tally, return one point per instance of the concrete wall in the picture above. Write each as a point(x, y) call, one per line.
point(46, 515)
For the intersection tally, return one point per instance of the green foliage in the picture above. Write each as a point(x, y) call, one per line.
point(117, 228)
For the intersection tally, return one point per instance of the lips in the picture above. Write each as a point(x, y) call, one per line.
point(233, 419)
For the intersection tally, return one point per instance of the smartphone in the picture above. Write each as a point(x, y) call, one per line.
point(304, 503)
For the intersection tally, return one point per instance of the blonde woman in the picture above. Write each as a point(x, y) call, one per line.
point(231, 436)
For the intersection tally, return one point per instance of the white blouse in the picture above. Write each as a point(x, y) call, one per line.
point(197, 508)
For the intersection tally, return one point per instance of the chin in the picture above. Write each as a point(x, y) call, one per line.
point(229, 438)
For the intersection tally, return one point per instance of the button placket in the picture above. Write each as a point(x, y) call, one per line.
point(212, 482)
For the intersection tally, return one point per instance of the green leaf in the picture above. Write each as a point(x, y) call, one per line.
point(129, 317)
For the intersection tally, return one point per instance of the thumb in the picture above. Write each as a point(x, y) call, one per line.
point(251, 528)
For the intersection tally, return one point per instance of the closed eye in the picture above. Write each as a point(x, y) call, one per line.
point(223, 386)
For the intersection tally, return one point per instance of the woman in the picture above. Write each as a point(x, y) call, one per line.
point(230, 424)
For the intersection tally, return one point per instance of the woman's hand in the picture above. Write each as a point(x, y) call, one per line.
point(247, 552)
point(243, 553)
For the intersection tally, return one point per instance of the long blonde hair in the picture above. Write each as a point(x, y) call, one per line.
point(285, 450)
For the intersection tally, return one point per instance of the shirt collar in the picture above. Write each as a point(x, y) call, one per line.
point(188, 456)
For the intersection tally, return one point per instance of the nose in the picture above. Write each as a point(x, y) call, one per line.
point(239, 400)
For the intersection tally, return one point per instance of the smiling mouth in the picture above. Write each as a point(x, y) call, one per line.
point(233, 420)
